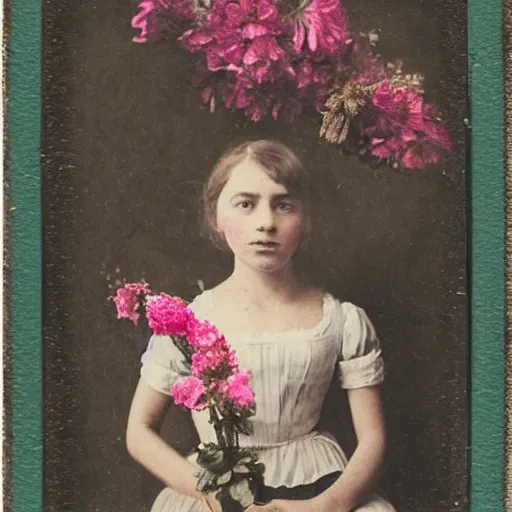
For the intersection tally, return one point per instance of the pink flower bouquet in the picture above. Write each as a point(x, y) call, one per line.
point(271, 58)
point(215, 383)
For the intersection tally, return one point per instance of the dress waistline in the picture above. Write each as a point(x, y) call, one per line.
point(277, 444)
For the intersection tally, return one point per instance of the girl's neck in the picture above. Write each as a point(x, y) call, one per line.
point(259, 287)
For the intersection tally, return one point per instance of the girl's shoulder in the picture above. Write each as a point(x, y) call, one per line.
point(202, 304)
point(346, 315)
point(341, 305)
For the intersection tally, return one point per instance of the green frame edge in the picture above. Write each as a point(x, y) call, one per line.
point(487, 264)
point(23, 176)
point(23, 213)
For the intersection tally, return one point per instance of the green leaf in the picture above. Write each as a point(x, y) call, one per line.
point(242, 493)
point(206, 479)
point(248, 459)
point(211, 457)
point(245, 427)
point(241, 468)
point(225, 478)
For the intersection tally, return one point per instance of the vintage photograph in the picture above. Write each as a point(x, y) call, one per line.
point(255, 256)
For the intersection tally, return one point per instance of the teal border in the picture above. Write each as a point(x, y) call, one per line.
point(24, 210)
point(487, 182)
point(487, 270)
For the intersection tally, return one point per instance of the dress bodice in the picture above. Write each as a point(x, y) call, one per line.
point(290, 374)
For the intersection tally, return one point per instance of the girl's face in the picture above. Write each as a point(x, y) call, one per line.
point(261, 222)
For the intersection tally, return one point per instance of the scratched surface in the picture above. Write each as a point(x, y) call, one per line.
point(126, 146)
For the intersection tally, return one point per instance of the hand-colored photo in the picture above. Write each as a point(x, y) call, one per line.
point(255, 260)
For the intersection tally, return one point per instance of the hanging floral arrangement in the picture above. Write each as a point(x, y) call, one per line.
point(269, 59)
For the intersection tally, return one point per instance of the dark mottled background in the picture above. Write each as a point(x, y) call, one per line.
point(126, 147)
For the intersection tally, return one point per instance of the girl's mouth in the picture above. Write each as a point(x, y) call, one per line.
point(265, 244)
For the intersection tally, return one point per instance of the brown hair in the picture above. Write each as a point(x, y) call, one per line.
point(279, 162)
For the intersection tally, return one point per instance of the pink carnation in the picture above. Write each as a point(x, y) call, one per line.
point(238, 389)
point(203, 335)
point(188, 392)
point(208, 361)
point(168, 315)
point(232, 361)
point(128, 299)
point(213, 354)
point(218, 385)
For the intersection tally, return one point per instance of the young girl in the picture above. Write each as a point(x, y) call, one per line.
point(289, 335)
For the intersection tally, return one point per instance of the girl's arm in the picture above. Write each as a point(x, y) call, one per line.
point(145, 445)
point(365, 465)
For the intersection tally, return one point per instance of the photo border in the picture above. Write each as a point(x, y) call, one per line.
point(24, 254)
point(487, 255)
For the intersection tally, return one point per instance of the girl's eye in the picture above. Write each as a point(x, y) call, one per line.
point(285, 207)
point(244, 205)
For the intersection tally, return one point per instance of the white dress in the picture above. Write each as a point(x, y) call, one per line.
point(291, 373)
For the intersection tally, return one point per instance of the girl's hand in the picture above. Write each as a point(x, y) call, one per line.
point(211, 503)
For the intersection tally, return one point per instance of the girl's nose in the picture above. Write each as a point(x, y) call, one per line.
point(265, 220)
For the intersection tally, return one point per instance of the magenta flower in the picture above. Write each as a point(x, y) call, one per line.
point(425, 148)
point(434, 131)
point(238, 390)
point(188, 391)
point(218, 385)
point(168, 315)
point(128, 299)
point(400, 106)
point(264, 58)
point(406, 129)
point(239, 36)
point(141, 20)
point(214, 356)
point(314, 81)
point(203, 335)
point(324, 25)
point(150, 19)
point(419, 154)
point(242, 44)
point(208, 361)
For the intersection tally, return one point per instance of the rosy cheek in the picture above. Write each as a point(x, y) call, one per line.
point(294, 230)
point(231, 230)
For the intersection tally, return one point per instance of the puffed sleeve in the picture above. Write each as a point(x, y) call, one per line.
point(360, 362)
point(163, 364)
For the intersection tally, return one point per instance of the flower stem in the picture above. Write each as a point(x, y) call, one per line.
point(217, 426)
point(303, 4)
